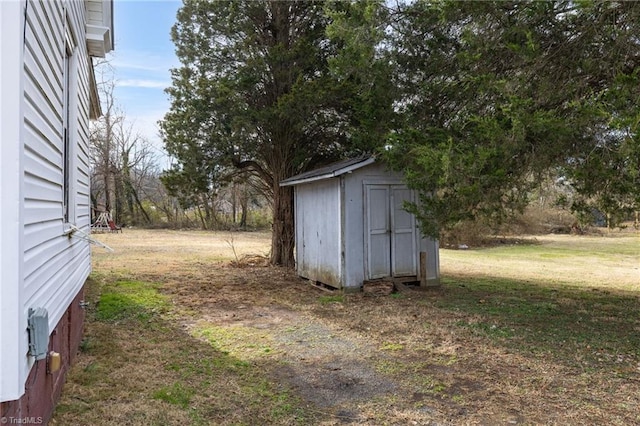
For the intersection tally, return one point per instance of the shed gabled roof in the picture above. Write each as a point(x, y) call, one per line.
point(330, 171)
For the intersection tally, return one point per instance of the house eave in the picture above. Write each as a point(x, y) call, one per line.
point(98, 40)
point(99, 27)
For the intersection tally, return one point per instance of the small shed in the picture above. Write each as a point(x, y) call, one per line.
point(351, 227)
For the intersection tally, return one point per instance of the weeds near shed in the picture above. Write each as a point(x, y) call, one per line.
point(176, 394)
point(85, 345)
point(230, 240)
point(338, 298)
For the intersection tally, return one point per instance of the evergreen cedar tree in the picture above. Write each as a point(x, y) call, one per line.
point(259, 93)
point(476, 102)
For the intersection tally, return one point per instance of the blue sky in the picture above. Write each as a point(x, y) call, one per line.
point(142, 59)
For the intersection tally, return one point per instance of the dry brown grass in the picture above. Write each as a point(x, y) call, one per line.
point(543, 333)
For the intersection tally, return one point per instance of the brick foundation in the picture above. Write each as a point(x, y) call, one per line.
point(43, 389)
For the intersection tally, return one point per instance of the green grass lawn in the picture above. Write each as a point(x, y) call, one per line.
point(575, 299)
point(139, 366)
point(589, 327)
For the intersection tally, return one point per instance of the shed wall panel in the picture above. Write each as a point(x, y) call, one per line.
point(431, 248)
point(404, 244)
point(355, 232)
point(377, 217)
point(318, 224)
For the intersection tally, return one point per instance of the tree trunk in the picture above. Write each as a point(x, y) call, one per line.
point(208, 212)
point(283, 236)
point(234, 209)
point(107, 190)
point(117, 215)
point(134, 194)
point(94, 206)
point(203, 220)
point(244, 202)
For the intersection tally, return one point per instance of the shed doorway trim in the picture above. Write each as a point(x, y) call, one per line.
point(390, 239)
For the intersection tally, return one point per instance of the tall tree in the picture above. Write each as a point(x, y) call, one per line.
point(121, 160)
point(195, 181)
point(494, 95)
point(102, 143)
point(362, 71)
point(255, 92)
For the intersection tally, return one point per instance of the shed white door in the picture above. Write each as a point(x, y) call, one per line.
point(391, 232)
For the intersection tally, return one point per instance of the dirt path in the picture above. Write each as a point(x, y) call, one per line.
point(328, 367)
point(359, 361)
point(368, 360)
point(332, 368)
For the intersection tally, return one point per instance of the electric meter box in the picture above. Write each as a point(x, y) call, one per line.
point(38, 326)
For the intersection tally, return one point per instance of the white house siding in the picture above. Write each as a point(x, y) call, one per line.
point(94, 12)
point(54, 265)
point(319, 227)
point(12, 322)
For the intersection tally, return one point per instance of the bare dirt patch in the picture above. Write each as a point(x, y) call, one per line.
point(492, 347)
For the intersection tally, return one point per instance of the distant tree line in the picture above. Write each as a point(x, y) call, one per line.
point(127, 181)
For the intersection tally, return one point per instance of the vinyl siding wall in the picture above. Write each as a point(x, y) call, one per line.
point(54, 265)
point(12, 322)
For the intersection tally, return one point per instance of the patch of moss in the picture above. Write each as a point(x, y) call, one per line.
point(130, 300)
point(339, 298)
point(176, 394)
